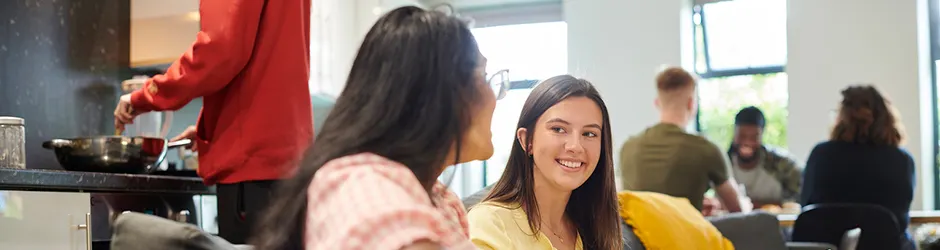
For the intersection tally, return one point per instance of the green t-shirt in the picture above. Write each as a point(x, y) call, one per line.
point(665, 159)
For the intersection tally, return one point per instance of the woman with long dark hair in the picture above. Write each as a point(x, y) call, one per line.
point(416, 101)
point(862, 162)
point(558, 189)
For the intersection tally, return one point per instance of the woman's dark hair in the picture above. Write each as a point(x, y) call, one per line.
point(592, 206)
point(865, 118)
point(408, 98)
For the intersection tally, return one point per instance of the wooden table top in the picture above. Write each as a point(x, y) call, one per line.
point(917, 217)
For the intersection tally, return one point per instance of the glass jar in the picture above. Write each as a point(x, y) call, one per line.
point(12, 142)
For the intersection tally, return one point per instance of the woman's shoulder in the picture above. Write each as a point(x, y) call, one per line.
point(489, 210)
point(825, 145)
point(834, 147)
point(365, 200)
point(847, 149)
point(367, 176)
point(905, 154)
point(364, 165)
point(360, 161)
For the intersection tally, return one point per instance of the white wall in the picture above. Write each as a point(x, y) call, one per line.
point(162, 30)
point(620, 45)
point(835, 43)
point(337, 30)
point(161, 40)
point(143, 9)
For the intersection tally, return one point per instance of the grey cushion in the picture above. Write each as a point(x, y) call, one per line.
point(757, 230)
point(810, 246)
point(136, 231)
point(477, 197)
point(630, 241)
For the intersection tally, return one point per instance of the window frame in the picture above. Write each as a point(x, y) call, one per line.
point(933, 15)
point(520, 84)
point(494, 16)
point(514, 14)
point(709, 73)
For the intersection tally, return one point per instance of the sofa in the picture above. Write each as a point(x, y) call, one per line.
point(757, 231)
point(746, 231)
point(137, 231)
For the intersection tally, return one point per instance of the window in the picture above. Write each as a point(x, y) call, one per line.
point(721, 98)
point(744, 35)
point(934, 20)
point(532, 52)
point(740, 53)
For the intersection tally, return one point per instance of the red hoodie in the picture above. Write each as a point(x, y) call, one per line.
point(250, 63)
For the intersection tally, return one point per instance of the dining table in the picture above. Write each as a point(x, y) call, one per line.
point(917, 217)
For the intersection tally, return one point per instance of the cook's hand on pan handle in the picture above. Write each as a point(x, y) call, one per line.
point(124, 113)
point(189, 133)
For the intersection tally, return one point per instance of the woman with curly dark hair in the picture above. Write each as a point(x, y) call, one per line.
point(862, 162)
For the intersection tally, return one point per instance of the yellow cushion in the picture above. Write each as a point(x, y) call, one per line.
point(664, 222)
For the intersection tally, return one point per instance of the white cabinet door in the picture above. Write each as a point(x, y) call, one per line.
point(44, 220)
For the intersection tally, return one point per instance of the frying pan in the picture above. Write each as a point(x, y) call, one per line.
point(112, 154)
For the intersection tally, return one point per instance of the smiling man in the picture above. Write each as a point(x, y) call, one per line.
point(769, 176)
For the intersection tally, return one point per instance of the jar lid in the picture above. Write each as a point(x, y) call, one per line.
point(9, 120)
point(135, 83)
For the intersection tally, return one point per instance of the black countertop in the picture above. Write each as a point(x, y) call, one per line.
point(89, 182)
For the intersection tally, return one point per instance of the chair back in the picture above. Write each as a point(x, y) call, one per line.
point(829, 222)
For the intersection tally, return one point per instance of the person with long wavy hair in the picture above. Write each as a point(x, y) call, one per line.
point(416, 101)
point(558, 189)
point(862, 162)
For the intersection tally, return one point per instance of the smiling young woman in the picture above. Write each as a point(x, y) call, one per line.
point(558, 189)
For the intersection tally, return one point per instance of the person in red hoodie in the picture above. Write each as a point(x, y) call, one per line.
point(250, 64)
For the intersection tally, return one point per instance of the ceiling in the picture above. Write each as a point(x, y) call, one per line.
point(143, 9)
point(484, 4)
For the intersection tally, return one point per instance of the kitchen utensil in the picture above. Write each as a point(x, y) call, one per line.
point(12, 142)
point(150, 124)
point(112, 154)
point(118, 131)
point(189, 159)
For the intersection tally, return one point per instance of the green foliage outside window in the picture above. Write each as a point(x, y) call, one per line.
point(721, 98)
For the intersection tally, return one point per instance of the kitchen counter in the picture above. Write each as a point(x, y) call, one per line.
point(89, 182)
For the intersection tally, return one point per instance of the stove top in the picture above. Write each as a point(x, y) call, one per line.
point(177, 173)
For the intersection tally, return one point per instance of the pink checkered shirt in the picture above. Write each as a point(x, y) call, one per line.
point(368, 202)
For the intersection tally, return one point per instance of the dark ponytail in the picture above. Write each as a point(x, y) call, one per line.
point(408, 94)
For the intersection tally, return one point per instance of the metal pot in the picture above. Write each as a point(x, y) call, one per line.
point(112, 154)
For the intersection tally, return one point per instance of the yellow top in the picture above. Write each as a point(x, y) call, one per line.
point(665, 222)
point(505, 227)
